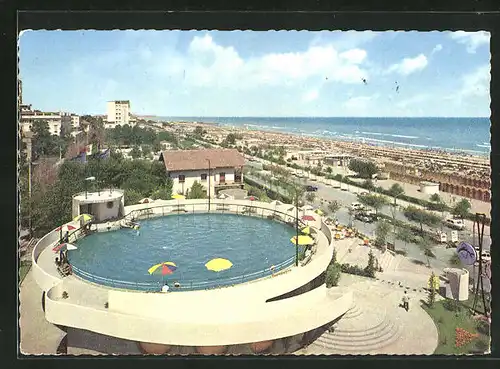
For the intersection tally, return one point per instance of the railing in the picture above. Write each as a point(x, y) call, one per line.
point(184, 285)
point(217, 206)
point(244, 207)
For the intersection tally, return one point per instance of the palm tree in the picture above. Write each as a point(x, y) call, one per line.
point(395, 191)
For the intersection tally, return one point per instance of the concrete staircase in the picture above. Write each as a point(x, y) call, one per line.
point(362, 330)
point(387, 261)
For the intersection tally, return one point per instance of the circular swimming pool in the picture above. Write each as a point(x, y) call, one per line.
point(122, 258)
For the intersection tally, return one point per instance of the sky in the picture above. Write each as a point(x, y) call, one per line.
point(257, 74)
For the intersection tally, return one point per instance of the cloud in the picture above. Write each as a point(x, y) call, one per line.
point(409, 65)
point(437, 48)
point(208, 64)
point(477, 83)
point(310, 95)
point(472, 40)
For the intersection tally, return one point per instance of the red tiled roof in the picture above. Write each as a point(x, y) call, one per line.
point(176, 160)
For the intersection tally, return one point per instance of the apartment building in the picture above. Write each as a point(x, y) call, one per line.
point(75, 121)
point(28, 117)
point(118, 114)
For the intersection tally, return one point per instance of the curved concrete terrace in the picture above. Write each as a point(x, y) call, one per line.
point(227, 316)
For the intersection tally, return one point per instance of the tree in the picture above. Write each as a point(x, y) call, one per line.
point(395, 191)
point(433, 286)
point(461, 208)
point(329, 170)
point(405, 235)
point(351, 216)
point(157, 146)
point(425, 245)
point(332, 275)
point(368, 184)
point(381, 231)
point(370, 267)
point(231, 139)
point(199, 131)
point(197, 191)
point(377, 202)
point(132, 197)
point(333, 207)
point(364, 168)
point(135, 152)
point(421, 217)
point(310, 197)
point(435, 197)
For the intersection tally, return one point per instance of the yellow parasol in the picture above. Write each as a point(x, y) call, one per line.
point(306, 230)
point(303, 240)
point(319, 211)
point(178, 196)
point(218, 264)
point(85, 217)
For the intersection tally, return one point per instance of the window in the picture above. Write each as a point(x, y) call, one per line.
point(182, 178)
point(204, 177)
point(109, 204)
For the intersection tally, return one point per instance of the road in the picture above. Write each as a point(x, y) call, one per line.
point(347, 194)
point(413, 250)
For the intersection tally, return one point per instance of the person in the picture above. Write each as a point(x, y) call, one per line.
point(336, 222)
point(165, 288)
point(66, 237)
point(58, 263)
point(406, 301)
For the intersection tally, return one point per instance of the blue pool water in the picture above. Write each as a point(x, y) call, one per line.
point(122, 258)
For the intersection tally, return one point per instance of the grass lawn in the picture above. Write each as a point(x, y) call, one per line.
point(447, 321)
point(24, 268)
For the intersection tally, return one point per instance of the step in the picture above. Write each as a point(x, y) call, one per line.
point(353, 312)
point(381, 339)
point(356, 332)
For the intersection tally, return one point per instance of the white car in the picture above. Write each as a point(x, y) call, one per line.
point(486, 256)
point(370, 212)
point(356, 206)
point(455, 223)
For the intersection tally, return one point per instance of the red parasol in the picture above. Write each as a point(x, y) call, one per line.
point(68, 227)
point(308, 218)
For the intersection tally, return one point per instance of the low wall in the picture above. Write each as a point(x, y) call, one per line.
point(202, 332)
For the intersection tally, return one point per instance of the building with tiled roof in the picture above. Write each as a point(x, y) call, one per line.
point(215, 169)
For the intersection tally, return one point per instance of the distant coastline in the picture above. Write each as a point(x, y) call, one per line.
point(455, 135)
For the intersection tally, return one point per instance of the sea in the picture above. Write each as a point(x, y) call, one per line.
point(465, 135)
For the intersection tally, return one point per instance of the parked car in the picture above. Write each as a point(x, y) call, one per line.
point(455, 223)
point(364, 218)
point(486, 256)
point(370, 212)
point(311, 188)
point(356, 206)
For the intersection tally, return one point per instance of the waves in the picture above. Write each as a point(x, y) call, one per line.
point(388, 134)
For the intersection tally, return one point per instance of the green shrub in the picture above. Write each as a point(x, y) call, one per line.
point(482, 346)
point(353, 269)
point(483, 327)
point(332, 275)
point(132, 197)
point(452, 305)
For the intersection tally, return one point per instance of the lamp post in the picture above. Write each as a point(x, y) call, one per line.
point(209, 184)
point(86, 181)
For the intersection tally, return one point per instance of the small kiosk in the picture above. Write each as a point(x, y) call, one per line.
point(102, 205)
